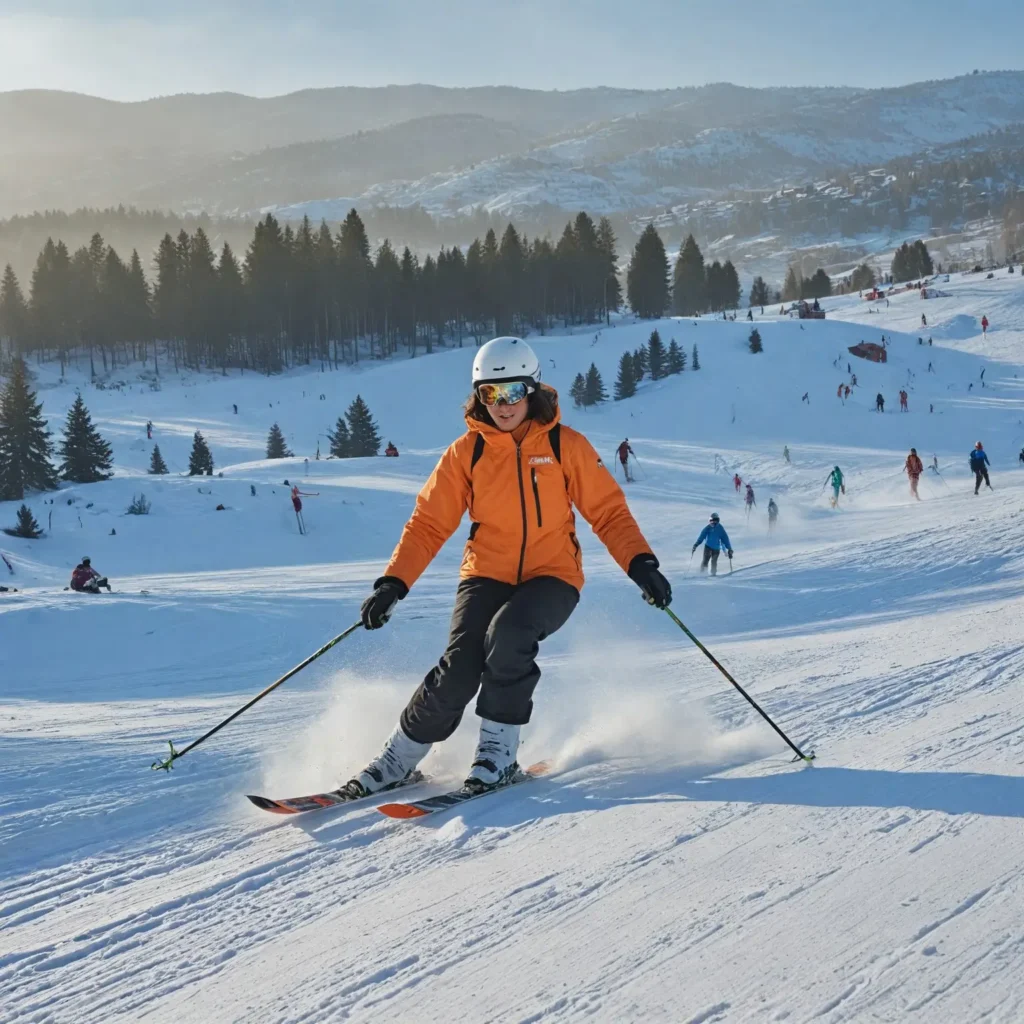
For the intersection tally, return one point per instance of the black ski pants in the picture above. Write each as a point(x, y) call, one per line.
point(980, 473)
point(710, 555)
point(492, 648)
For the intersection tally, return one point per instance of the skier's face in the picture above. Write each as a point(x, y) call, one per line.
point(508, 417)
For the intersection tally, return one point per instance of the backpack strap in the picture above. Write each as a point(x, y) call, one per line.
point(555, 436)
point(478, 450)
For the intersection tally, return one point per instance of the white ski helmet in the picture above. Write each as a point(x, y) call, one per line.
point(506, 359)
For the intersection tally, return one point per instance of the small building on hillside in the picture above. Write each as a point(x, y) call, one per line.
point(869, 350)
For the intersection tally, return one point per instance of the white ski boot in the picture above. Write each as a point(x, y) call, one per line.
point(495, 760)
point(390, 767)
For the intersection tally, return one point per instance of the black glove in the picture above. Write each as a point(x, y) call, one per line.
point(643, 571)
point(377, 608)
point(729, 552)
point(694, 548)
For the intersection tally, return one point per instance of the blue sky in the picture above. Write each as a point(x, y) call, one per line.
point(133, 50)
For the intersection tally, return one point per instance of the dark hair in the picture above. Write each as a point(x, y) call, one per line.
point(542, 405)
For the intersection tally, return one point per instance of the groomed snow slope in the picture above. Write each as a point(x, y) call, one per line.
point(675, 867)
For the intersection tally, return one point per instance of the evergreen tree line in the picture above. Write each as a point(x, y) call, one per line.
point(912, 262)
point(304, 294)
point(797, 286)
point(650, 360)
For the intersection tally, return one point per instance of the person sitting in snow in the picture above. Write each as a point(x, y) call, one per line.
point(391, 451)
point(86, 580)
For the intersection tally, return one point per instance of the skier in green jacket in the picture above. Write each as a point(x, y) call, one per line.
point(838, 484)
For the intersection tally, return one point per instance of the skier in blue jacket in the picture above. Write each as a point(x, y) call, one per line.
point(715, 541)
point(979, 465)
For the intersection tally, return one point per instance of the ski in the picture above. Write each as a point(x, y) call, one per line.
point(433, 804)
point(317, 801)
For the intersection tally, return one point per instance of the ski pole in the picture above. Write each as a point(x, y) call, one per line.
point(167, 764)
point(743, 693)
point(641, 468)
point(730, 563)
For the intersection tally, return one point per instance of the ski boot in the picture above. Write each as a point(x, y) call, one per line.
point(495, 761)
point(393, 765)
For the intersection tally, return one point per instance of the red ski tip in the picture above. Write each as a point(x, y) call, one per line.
point(401, 810)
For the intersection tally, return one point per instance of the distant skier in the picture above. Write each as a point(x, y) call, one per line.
point(86, 580)
point(935, 463)
point(149, 430)
point(785, 452)
point(715, 541)
point(924, 320)
point(838, 485)
point(853, 380)
point(879, 402)
point(297, 497)
point(984, 325)
point(931, 368)
point(737, 482)
point(979, 465)
point(749, 499)
point(903, 402)
point(235, 407)
point(624, 452)
point(839, 391)
point(913, 467)
point(391, 451)
point(750, 314)
point(773, 514)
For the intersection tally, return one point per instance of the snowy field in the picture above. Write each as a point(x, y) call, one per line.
point(675, 867)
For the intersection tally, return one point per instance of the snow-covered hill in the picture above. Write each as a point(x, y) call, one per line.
point(715, 139)
point(675, 867)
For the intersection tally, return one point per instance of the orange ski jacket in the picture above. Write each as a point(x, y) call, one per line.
point(914, 466)
point(520, 500)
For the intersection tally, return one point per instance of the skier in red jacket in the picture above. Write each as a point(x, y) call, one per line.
point(984, 325)
point(86, 580)
point(624, 452)
point(737, 482)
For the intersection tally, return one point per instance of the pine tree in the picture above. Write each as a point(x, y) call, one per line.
point(754, 341)
point(641, 363)
point(759, 295)
point(676, 357)
point(200, 460)
point(25, 448)
point(793, 286)
point(14, 318)
point(656, 356)
point(862, 277)
point(341, 443)
point(276, 447)
point(594, 392)
point(26, 525)
point(694, 361)
point(578, 391)
point(688, 287)
point(647, 276)
point(85, 456)
point(157, 466)
point(819, 285)
point(625, 383)
point(923, 261)
point(364, 440)
point(730, 286)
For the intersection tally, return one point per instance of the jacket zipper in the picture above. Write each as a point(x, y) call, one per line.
point(522, 505)
point(536, 496)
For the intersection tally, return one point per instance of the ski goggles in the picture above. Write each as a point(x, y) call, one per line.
point(508, 393)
